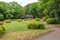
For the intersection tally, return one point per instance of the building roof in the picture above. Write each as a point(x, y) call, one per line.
point(29, 16)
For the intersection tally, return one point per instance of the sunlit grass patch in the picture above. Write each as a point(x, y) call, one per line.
point(25, 35)
point(19, 31)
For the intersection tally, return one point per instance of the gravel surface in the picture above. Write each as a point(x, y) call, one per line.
point(51, 36)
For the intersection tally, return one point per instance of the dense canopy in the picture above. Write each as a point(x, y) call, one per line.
point(11, 10)
point(43, 8)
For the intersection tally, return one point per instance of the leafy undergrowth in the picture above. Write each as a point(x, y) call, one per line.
point(25, 35)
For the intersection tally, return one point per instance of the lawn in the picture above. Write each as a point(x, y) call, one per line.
point(15, 26)
point(19, 31)
point(57, 25)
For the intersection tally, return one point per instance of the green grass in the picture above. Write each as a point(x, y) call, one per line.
point(18, 31)
point(57, 25)
point(25, 35)
point(15, 26)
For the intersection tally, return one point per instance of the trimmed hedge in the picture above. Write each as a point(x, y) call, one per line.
point(44, 18)
point(36, 25)
point(2, 30)
point(37, 19)
point(8, 21)
point(51, 21)
point(19, 20)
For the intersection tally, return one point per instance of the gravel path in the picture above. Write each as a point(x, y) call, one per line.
point(51, 36)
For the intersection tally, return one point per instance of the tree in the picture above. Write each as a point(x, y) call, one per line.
point(9, 16)
point(11, 9)
point(18, 10)
point(1, 17)
point(52, 8)
point(35, 9)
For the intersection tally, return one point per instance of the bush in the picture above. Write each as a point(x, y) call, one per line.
point(1, 17)
point(51, 21)
point(2, 30)
point(44, 18)
point(36, 25)
point(19, 20)
point(8, 21)
point(37, 19)
point(1, 23)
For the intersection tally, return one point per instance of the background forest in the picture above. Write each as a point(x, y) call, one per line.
point(42, 8)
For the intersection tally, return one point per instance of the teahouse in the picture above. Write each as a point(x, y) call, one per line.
point(28, 16)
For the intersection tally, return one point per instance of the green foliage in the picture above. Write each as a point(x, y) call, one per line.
point(36, 25)
point(1, 17)
point(11, 10)
point(37, 19)
point(45, 11)
point(51, 21)
point(19, 20)
point(35, 9)
point(51, 8)
point(18, 10)
point(44, 18)
point(8, 21)
point(2, 30)
point(9, 16)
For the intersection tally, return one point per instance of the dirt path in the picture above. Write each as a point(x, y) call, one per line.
point(51, 36)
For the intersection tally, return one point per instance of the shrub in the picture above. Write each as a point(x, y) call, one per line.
point(51, 21)
point(37, 19)
point(36, 25)
point(1, 17)
point(8, 21)
point(2, 30)
point(1, 23)
point(44, 18)
point(19, 20)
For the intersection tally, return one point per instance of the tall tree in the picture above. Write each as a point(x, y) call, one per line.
point(11, 10)
point(52, 8)
point(35, 9)
point(18, 10)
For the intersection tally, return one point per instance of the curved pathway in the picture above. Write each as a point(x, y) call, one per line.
point(51, 36)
